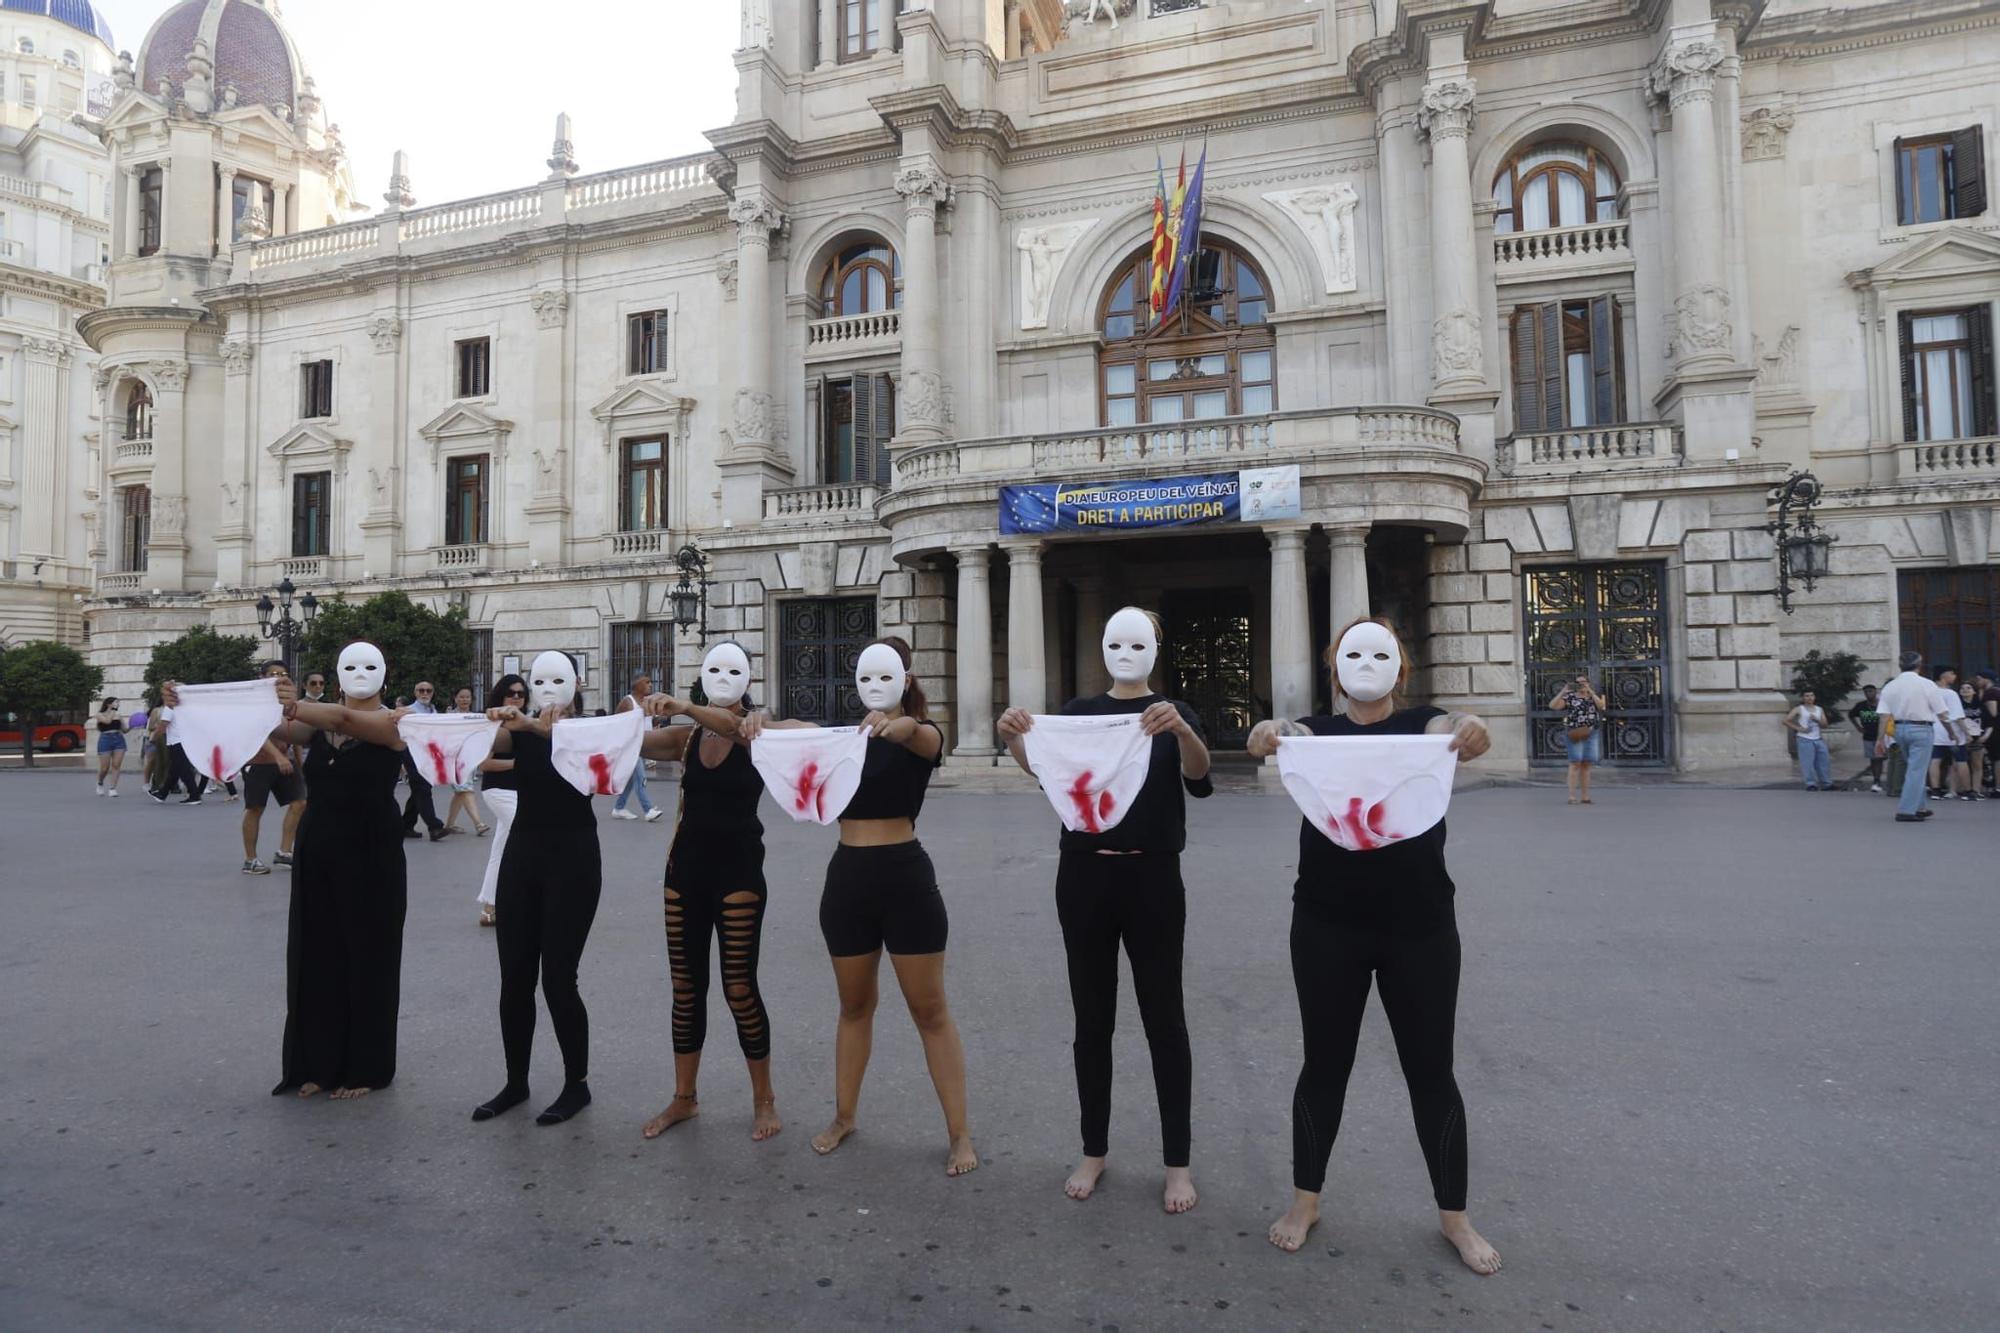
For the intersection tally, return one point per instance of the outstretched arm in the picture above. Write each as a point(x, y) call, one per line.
point(665, 743)
point(923, 740)
point(751, 724)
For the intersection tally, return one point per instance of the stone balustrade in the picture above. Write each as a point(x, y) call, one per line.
point(1596, 240)
point(839, 501)
point(845, 335)
point(302, 567)
point(646, 541)
point(459, 557)
point(304, 247)
point(494, 210)
point(119, 585)
point(1646, 444)
point(676, 176)
point(138, 449)
point(1950, 460)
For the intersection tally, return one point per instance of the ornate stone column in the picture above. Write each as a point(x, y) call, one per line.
point(754, 453)
point(281, 202)
point(974, 707)
point(1347, 586)
point(225, 220)
point(920, 413)
point(548, 506)
point(1091, 677)
point(235, 536)
point(1700, 328)
point(382, 469)
point(44, 430)
point(1027, 653)
point(1291, 624)
point(167, 547)
point(1458, 362)
point(128, 233)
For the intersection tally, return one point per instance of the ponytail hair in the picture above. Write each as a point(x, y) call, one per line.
point(914, 702)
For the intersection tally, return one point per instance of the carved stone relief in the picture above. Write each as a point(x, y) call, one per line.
point(551, 306)
point(1765, 131)
point(1455, 348)
point(1042, 251)
point(385, 332)
point(1325, 213)
point(1699, 325)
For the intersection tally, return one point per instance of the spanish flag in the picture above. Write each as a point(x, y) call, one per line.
point(1166, 236)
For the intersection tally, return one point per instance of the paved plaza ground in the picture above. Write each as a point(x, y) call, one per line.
point(1729, 1061)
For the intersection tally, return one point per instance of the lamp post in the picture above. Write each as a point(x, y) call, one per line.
point(1805, 549)
point(277, 623)
point(690, 595)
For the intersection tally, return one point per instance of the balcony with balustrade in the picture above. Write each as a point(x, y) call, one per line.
point(468, 559)
point(1592, 248)
point(1935, 461)
point(854, 335)
point(1589, 449)
point(836, 504)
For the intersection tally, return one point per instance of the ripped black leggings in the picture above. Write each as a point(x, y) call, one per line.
point(1417, 977)
point(736, 914)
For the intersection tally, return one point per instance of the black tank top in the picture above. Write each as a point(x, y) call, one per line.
point(719, 802)
point(894, 780)
point(547, 799)
point(115, 724)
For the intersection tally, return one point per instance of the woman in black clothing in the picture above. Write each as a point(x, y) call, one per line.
point(550, 877)
point(496, 784)
point(881, 893)
point(1384, 914)
point(1125, 884)
point(715, 885)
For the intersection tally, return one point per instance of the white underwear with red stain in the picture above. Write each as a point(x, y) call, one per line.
point(448, 747)
point(596, 755)
point(812, 772)
point(222, 727)
point(1365, 792)
point(1091, 767)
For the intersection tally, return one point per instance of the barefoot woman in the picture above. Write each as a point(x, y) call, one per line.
point(715, 885)
point(1384, 914)
point(881, 893)
point(1125, 884)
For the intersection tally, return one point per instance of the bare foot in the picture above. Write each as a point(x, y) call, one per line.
point(961, 1160)
point(679, 1109)
point(1082, 1182)
point(309, 1090)
point(766, 1125)
point(832, 1136)
point(1179, 1196)
point(1480, 1257)
point(1289, 1232)
point(349, 1094)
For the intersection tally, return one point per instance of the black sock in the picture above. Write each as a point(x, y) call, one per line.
point(507, 1099)
point(575, 1096)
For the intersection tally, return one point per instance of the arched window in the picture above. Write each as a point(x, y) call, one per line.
point(71, 60)
point(27, 47)
point(1555, 185)
point(139, 413)
point(1216, 360)
point(863, 279)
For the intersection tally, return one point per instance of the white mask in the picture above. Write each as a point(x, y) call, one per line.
point(879, 678)
point(551, 682)
point(361, 671)
point(725, 674)
point(1130, 647)
point(1368, 662)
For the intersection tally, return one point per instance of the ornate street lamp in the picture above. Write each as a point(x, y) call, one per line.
point(277, 623)
point(1805, 549)
point(690, 595)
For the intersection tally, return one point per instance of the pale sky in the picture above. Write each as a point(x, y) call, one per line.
point(471, 88)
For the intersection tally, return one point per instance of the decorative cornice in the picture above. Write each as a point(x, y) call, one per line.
point(53, 350)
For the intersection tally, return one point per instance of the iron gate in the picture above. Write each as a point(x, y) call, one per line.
point(1209, 662)
point(819, 642)
point(1609, 621)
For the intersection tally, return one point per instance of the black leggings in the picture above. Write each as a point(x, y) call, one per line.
point(1100, 901)
point(545, 900)
point(736, 913)
point(1418, 980)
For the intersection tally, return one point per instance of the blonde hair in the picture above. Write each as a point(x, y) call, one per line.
point(1332, 657)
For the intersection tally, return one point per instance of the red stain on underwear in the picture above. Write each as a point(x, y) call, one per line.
point(600, 768)
point(437, 761)
point(1079, 795)
point(803, 790)
point(215, 763)
point(1361, 826)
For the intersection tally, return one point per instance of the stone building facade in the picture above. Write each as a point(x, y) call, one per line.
point(1537, 302)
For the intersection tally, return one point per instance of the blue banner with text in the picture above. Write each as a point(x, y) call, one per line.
point(1166, 502)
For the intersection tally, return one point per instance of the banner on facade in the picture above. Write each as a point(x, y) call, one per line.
point(1163, 502)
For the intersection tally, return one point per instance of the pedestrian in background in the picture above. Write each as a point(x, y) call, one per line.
point(642, 688)
point(1807, 722)
point(463, 796)
point(1867, 720)
point(1988, 681)
point(1910, 709)
point(419, 806)
point(1951, 770)
point(111, 747)
point(272, 773)
point(1583, 710)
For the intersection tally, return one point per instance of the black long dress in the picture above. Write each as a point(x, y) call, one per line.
point(344, 956)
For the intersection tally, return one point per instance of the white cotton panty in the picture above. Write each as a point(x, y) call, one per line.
point(448, 747)
point(596, 755)
point(222, 727)
point(811, 772)
point(1090, 767)
point(1365, 792)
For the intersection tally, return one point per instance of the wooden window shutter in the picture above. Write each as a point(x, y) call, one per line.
point(1527, 371)
point(883, 391)
point(1604, 396)
point(1968, 173)
point(1979, 325)
point(1551, 351)
point(861, 437)
point(1907, 357)
point(1904, 204)
point(298, 517)
point(816, 414)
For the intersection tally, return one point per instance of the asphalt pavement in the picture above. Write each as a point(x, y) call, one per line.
point(1728, 1060)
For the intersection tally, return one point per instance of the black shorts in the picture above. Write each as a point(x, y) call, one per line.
point(264, 780)
point(882, 898)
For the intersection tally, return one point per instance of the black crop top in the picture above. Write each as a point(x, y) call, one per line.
point(548, 801)
point(893, 780)
point(1401, 889)
point(115, 724)
point(719, 802)
point(1157, 821)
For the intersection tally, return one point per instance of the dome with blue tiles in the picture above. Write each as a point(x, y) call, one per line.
point(78, 14)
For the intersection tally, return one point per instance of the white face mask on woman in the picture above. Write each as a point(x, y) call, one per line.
point(725, 674)
point(361, 671)
point(1368, 662)
point(1130, 647)
point(551, 682)
point(879, 677)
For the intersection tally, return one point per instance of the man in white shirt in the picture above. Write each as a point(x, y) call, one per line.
point(1808, 721)
point(1911, 703)
point(1951, 766)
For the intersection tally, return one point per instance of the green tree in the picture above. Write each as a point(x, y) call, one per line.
point(1830, 676)
point(200, 657)
point(40, 677)
point(417, 642)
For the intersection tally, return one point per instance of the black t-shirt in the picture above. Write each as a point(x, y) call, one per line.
point(1869, 719)
point(1400, 889)
point(894, 780)
point(1157, 821)
point(548, 801)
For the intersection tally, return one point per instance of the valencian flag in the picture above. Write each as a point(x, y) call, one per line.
point(1166, 223)
point(1188, 241)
